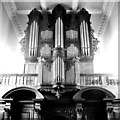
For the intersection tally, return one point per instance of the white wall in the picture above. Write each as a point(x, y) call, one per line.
point(106, 59)
point(11, 60)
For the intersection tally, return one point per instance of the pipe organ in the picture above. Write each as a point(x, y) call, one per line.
point(70, 42)
point(57, 82)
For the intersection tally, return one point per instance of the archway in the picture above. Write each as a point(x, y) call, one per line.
point(22, 106)
point(94, 106)
point(22, 92)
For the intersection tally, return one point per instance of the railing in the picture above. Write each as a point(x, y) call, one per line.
point(98, 80)
point(18, 79)
point(101, 80)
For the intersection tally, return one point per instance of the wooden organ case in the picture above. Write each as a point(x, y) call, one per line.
point(58, 46)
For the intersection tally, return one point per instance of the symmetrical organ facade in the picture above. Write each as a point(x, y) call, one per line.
point(59, 80)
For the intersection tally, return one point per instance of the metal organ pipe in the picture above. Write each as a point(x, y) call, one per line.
point(33, 40)
point(59, 34)
point(85, 40)
point(33, 37)
point(84, 34)
point(30, 39)
point(36, 40)
point(82, 39)
point(88, 39)
point(62, 43)
point(56, 28)
point(35, 46)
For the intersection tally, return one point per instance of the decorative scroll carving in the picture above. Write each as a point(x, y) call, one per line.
point(37, 107)
point(23, 44)
point(58, 90)
point(71, 112)
point(94, 41)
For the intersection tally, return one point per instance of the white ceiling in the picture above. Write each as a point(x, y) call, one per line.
point(17, 10)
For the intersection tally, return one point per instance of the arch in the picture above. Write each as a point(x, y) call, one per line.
point(37, 93)
point(108, 94)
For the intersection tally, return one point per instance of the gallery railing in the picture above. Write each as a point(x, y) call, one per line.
point(101, 80)
point(32, 80)
point(18, 79)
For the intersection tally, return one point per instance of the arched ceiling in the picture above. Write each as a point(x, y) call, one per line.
point(100, 11)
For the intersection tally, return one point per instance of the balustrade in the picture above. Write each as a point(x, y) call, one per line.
point(18, 79)
point(101, 80)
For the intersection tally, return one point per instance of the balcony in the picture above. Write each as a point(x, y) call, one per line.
point(32, 80)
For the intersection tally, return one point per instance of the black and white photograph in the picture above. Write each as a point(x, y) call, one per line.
point(59, 60)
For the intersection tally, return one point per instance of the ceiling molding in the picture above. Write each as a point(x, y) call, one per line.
point(11, 9)
point(106, 13)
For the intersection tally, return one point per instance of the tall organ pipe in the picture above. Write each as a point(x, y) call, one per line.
point(85, 39)
point(88, 39)
point(82, 39)
point(33, 39)
point(30, 39)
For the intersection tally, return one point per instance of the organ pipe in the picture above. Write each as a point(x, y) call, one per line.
point(85, 43)
point(82, 39)
point(62, 43)
point(33, 40)
point(56, 39)
point(33, 36)
point(88, 39)
point(30, 40)
point(85, 40)
point(59, 33)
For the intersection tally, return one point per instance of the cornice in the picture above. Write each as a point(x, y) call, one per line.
point(106, 13)
point(11, 9)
